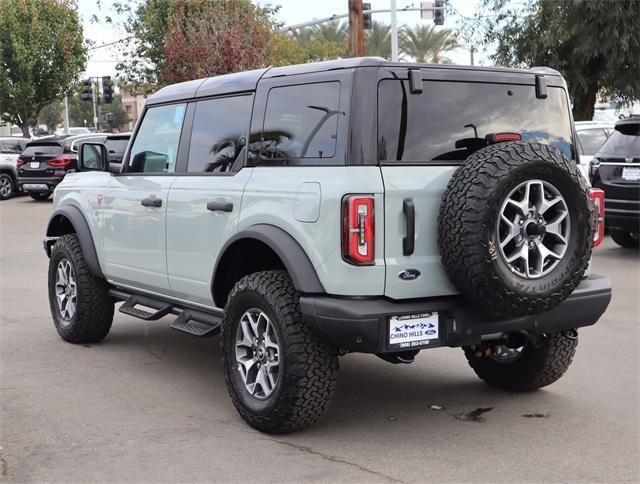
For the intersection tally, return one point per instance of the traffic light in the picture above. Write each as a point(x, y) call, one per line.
point(438, 12)
point(366, 17)
point(107, 90)
point(87, 90)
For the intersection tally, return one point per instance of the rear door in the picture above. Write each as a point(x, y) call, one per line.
point(36, 156)
point(204, 202)
point(424, 136)
point(135, 203)
point(618, 172)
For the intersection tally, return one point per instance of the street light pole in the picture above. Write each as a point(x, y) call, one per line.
point(394, 32)
point(66, 115)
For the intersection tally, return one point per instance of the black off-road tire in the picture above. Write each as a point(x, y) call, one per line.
point(94, 311)
point(309, 367)
point(625, 239)
point(467, 221)
point(38, 196)
point(6, 180)
point(540, 363)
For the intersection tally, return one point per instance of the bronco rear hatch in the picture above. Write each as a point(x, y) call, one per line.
point(426, 128)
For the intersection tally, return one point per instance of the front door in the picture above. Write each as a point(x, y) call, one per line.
point(204, 204)
point(135, 203)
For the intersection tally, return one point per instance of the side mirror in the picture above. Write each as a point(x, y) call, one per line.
point(93, 157)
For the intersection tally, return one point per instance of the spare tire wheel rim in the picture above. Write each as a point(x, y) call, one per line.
point(533, 229)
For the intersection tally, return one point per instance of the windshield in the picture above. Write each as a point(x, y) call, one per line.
point(624, 145)
point(449, 121)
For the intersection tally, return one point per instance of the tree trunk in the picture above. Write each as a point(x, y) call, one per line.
point(583, 104)
point(25, 130)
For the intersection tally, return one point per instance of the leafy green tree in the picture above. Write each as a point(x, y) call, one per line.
point(41, 53)
point(80, 112)
point(377, 40)
point(595, 44)
point(51, 115)
point(120, 116)
point(424, 43)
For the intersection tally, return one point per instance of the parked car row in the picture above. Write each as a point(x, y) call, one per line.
point(37, 167)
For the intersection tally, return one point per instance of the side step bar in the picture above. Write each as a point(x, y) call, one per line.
point(191, 321)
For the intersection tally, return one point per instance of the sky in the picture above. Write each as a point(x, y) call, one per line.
point(102, 61)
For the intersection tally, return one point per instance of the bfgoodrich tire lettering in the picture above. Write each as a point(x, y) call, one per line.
point(308, 365)
point(93, 313)
point(467, 234)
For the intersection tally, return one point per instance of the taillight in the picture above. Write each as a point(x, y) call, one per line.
point(59, 162)
point(594, 164)
point(500, 137)
point(20, 162)
point(358, 232)
point(597, 198)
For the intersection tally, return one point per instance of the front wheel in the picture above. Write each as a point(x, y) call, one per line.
point(81, 306)
point(280, 375)
point(520, 364)
point(628, 240)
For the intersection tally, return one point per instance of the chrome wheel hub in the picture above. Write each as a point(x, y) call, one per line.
point(258, 353)
point(533, 229)
point(66, 290)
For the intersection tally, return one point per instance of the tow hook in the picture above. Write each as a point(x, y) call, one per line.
point(404, 357)
point(571, 334)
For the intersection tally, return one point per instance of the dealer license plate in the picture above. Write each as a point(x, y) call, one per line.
point(34, 164)
point(413, 330)
point(631, 173)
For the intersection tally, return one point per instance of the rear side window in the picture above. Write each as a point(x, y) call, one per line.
point(449, 121)
point(43, 149)
point(624, 145)
point(155, 147)
point(301, 124)
point(591, 140)
point(11, 147)
point(219, 136)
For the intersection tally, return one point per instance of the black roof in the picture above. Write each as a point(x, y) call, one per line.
point(248, 80)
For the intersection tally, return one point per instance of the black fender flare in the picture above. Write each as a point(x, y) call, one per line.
point(56, 228)
point(296, 262)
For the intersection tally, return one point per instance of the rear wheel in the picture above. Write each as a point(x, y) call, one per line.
point(520, 364)
point(7, 186)
point(280, 375)
point(628, 240)
point(81, 307)
point(40, 195)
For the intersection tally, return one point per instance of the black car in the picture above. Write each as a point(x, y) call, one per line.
point(616, 170)
point(45, 162)
point(116, 146)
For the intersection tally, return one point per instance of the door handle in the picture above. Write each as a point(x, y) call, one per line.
point(220, 206)
point(408, 242)
point(151, 201)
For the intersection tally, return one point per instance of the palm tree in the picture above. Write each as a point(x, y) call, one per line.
point(335, 31)
point(425, 43)
point(378, 40)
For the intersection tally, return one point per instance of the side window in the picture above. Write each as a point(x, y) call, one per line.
point(591, 140)
point(3, 148)
point(218, 139)
point(301, 124)
point(156, 145)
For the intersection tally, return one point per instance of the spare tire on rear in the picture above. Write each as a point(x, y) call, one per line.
point(515, 229)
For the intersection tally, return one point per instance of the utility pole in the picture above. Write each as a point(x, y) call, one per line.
point(356, 29)
point(394, 32)
point(95, 114)
point(66, 115)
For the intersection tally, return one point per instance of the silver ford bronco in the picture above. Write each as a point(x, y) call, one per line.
point(357, 205)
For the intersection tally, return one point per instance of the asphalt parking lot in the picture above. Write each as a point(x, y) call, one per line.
point(150, 404)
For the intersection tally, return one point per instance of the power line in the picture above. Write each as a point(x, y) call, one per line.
point(111, 43)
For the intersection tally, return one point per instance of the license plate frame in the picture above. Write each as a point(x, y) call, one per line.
point(631, 173)
point(413, 331)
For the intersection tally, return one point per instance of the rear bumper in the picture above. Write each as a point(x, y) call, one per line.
point(622, 214)
point(39, 184)
point(361, 325)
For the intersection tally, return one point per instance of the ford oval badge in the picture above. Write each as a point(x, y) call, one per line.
point(409, 274)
